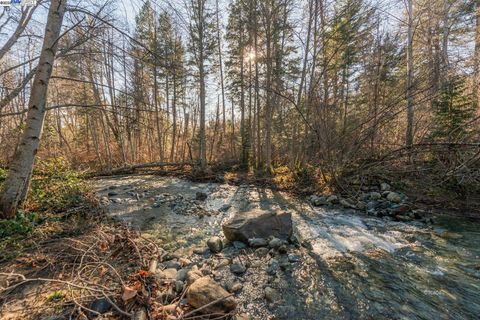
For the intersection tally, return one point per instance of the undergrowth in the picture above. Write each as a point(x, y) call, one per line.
point(56, 205)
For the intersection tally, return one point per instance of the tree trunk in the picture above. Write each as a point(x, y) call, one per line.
point(410, 112)
point(477, 57)
point(20, 173)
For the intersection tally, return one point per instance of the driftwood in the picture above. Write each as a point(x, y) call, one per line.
point(133, 167)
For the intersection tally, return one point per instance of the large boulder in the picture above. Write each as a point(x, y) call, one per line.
point(258, 224)
point(204, 291)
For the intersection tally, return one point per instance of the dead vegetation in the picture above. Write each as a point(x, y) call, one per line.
point(107, 270)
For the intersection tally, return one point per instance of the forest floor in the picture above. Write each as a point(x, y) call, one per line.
point(343, 263)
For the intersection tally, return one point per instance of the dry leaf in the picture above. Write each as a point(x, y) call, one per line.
point(143, 273)
point(128, 293)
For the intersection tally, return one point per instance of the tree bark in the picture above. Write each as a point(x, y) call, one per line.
point(410, 111)
point(19, 176)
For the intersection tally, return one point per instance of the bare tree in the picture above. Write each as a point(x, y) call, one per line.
point(18, 180)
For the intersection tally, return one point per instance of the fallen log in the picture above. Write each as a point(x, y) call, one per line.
point(133, 167)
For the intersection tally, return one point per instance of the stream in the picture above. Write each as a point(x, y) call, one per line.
point(350, 266)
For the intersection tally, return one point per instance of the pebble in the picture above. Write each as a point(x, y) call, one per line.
point(237, 268)
point(275, 243)
point(215, 244)
point(261, 252)
point(257, 242)
point(273, 267)
point(271, 295)
point(239, 245)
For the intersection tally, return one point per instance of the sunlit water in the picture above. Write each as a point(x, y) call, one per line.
point(353, 266)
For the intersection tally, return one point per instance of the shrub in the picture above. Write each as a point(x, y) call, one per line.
point(55, 187)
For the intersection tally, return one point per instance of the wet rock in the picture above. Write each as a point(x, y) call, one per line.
point(318, 201)
point(346, 204)
point(374, 195)
point(293, 258)
point(257, 242)
point(204, 291)
point(215, 244)
point(225, 208)
point(275, 243)
point(271, 295)
point(273, 267)
point(394, 197)
point(403, 218)
point(237, 268)
point(239, 245)
point(361, 205)
point(201, 196)
point(283, 249)
point(258, 224)
point(384, 186)
point(333, 199)
point(261, 252)
point(112, 194)
point(372, 205)
point(101, 305)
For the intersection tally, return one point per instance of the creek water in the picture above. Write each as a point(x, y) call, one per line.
point(351, 266)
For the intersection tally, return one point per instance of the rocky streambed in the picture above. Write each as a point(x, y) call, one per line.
point(340, 262)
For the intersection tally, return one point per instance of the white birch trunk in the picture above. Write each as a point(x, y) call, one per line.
point(18, 180)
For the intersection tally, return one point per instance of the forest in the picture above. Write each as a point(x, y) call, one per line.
point(239, 159)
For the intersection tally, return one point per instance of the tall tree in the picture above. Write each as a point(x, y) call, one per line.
point(19, 176)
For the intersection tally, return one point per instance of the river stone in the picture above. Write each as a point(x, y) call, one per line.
point(375, 195)
point(201, 196)
point(204, 291)
point(261, 252)
point(361, 205)
point(346, 204)
point(239, 245)
point(394, 197)
point(101, 305)
point(257, 242)
point(170, 273)
point(181, 275)
point(293, 258)
point(271, 295)
point(333, 199)
point(172, 264)
point(258, 224)
point(178, 286)
point(275, 243)
point(193, 275)
point(215, 244)
point(237, 268)
point(384, 186)
point(273, 267)
point(318, 201)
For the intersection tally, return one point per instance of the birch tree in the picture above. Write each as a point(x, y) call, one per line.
point(19, 176)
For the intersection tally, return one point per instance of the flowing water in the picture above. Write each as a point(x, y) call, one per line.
point(351, 267)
